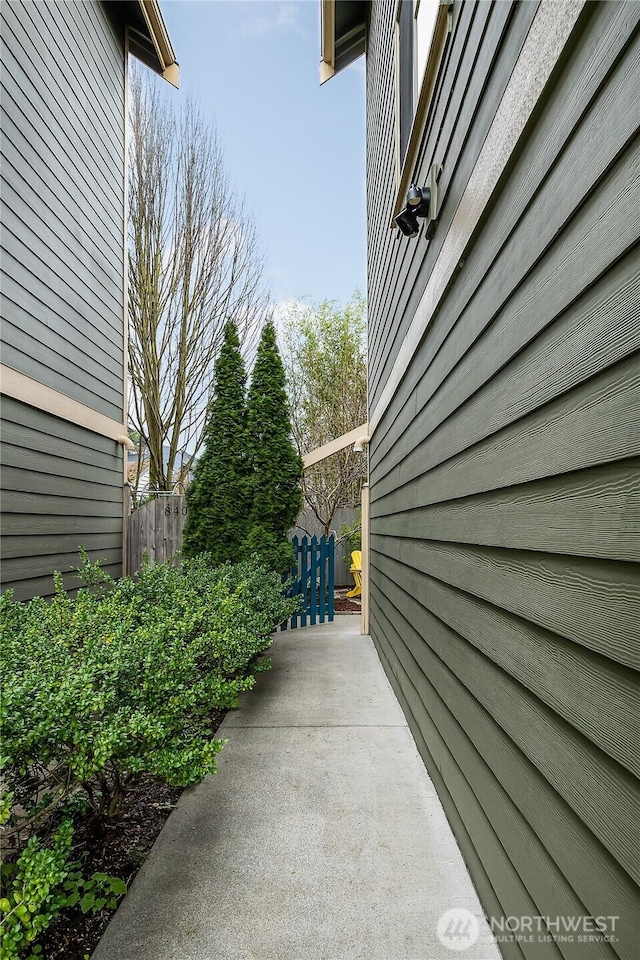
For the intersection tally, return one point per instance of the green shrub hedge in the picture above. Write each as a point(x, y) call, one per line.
point(118, 683)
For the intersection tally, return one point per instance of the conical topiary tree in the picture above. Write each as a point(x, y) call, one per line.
point(276, 467)
point(218, 495)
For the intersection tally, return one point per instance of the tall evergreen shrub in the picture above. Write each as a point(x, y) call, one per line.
point(218, 495)
point(276, 467)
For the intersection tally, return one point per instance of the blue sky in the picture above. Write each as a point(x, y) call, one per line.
point(295, 149)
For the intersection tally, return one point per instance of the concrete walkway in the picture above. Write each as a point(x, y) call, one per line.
point(320, 838)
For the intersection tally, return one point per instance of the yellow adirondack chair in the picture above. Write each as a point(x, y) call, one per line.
point(356, 570)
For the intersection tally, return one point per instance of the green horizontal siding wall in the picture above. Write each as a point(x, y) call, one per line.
point(505, 481)
point(61, 489)
point(62, 278)
point(62, 186)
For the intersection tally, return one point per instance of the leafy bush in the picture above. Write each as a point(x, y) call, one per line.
point(42, 882)
point(104, 689)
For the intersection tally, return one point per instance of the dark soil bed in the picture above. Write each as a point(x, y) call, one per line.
point(119, 848)
point(341, 602)
point(344, 604)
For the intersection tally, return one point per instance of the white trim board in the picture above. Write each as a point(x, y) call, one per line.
point(321, 453)
point(548, 34)
point(20, 387)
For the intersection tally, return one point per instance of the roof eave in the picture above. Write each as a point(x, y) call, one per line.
point(343, 32)
point(328, 28)
point(163, 60)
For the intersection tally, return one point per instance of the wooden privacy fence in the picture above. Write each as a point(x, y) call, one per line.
point(155, 527)
point(307, 524)
point(313, 576)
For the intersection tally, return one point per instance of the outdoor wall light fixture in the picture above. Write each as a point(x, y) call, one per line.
point(418, 205)
point(422, 203)
point(408, 222)
point(419, 200)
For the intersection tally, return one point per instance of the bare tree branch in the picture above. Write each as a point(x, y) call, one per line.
point(193, 263)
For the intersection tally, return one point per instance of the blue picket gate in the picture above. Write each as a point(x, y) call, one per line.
point(313, 576)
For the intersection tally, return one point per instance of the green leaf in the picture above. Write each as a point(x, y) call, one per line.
point(118, 887)
point(87, 902)
point(5, 906)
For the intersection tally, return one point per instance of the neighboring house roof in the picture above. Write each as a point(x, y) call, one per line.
point(149, 40)
point(132, 454)
point(138, 471)
point(343, 34)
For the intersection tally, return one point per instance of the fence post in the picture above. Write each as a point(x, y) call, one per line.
point(295, 575)
point(283, 579)
point(126, 525)
point(366, 582)
point(323, 576)
point(332, 553)
point(304, 568)
point(313, 579)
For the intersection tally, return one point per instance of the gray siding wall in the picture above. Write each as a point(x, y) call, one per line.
point(505, 587)
point(62, 276)
point(61, 489)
